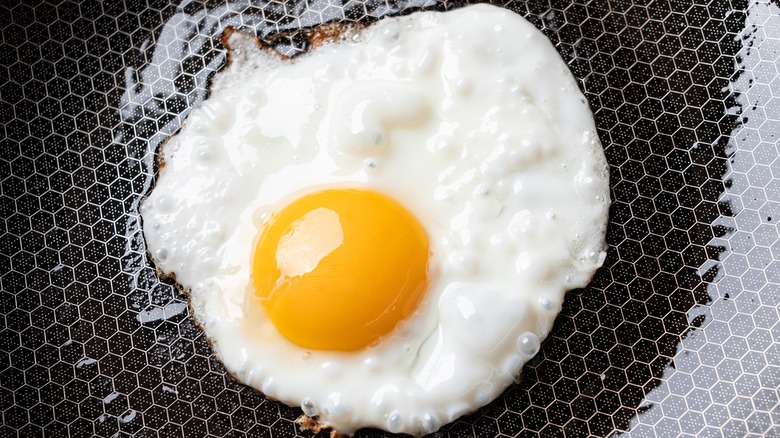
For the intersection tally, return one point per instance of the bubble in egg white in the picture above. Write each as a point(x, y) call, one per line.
point(165, 203)
point(161, 255)
point(528, 344)
point(484, 393)
point(370, 165)
point(309, 408)
point(512, 364)
point(371, 364)
point(467, 118)
point(463, 263)
point(395, 422)
point(429, 423)
point(268, 385)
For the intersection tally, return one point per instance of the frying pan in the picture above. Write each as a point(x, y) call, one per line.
point(678, 333)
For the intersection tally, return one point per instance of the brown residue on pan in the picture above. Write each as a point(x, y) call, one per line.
point(331, 32)
point(317, 37)
point(158, 157)
point(311, 424)
point(225, 38)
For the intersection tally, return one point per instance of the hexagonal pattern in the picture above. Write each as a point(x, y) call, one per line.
point(676, 336)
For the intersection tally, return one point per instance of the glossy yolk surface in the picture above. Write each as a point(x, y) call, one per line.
point(339, 268)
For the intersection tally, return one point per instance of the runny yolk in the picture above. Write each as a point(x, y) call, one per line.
point(340, 268)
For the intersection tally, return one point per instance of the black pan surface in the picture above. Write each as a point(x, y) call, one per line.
point(677, 335)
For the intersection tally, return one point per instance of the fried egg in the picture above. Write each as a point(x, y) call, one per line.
point(381, 231)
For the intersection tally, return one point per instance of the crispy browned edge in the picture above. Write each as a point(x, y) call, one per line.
point(311, 424)
point(317, 37)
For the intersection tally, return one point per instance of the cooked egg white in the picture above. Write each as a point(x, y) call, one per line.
point(464, 132)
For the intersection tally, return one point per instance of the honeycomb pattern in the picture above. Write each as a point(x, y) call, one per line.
point(677, 335)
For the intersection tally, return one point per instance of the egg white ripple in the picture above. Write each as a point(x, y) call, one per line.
point(471, 120)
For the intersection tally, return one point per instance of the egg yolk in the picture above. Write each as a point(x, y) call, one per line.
point(339, 268)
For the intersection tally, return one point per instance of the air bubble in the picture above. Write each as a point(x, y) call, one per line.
point(528, 344)
point(309, 408)
point(391, 31)
point(589, 257)
point(370, 165)
point(205, 154)
point(483, 393)
point(545, 303)
point(429, 423)
point(512, 365)
point(248, 374)
point(370, 364)
point(336, 408)
point(199, 127)
point(268, 386)
point(261, 217)
point(161, 255)
point(164, 204)
point(394, 422)
point(463, 263)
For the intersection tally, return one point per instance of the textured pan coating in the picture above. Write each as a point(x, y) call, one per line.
point(92, 342)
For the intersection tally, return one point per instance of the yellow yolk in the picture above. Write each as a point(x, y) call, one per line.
point(339, 268)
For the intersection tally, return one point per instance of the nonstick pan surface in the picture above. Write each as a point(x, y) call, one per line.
point(678, 333)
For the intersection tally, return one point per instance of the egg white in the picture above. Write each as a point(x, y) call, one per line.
point(468, 118)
